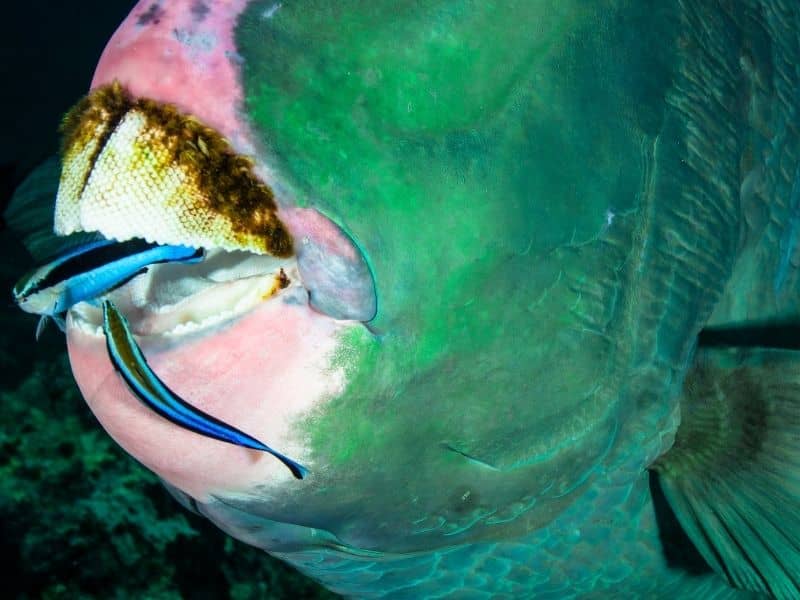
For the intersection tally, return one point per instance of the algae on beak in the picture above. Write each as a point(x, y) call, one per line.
point(133, 165)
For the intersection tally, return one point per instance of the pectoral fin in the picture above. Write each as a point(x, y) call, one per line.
point(29, 214)
point(40, 326)
point(733, 476)
point(58, 319)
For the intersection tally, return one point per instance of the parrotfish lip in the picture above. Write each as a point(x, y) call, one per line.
point(139, 168)
point(235, 337)
point(173, 300)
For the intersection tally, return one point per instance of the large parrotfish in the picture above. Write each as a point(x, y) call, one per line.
point(500, 228)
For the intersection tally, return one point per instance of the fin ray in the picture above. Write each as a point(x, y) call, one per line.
point(733, 476)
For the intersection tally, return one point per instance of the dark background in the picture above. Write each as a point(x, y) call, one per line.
point(48, 51)
point(78, 517)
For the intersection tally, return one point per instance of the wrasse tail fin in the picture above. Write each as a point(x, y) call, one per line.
point(733, 476)
point(130, 363)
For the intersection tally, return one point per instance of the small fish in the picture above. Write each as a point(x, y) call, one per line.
point(130, 363)
point(89, 270)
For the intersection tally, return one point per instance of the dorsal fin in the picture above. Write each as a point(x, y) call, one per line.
point(30, 214)
point(733, 475)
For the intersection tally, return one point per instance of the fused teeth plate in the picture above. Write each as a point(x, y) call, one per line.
point(138, 168)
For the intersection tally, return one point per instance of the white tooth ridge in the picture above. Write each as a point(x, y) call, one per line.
point(173, 300)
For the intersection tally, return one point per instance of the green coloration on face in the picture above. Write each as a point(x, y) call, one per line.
point(552, 202)
point(554, 197)
point(467, 149)
point(465, 143)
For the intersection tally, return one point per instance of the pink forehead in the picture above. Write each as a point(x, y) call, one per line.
point(182, 52)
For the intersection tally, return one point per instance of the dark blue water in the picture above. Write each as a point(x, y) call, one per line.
point(78, 517)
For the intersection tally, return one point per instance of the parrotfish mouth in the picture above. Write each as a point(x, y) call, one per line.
point(173, 300)
point(249, 334)
point(167, 299)
point(134, 167)
point(228, 348)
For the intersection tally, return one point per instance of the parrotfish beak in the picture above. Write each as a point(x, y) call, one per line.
point(250, 335)
point(247, 337)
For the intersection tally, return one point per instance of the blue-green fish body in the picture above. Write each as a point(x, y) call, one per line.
point(504, 227)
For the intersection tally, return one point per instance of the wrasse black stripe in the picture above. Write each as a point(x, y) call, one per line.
point(96, 256)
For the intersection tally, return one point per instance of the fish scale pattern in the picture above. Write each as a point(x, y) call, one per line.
point(767, 277)
point(685, 233)
point(131, 186)
point(683, 239)
point(563, 560)
point(138, 168)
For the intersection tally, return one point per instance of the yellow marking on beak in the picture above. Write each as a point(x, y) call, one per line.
point(281, 281)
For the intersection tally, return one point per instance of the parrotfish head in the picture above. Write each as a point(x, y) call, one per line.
point(427, 276)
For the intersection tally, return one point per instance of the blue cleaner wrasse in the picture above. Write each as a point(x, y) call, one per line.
point(130, 363)
point(89, 270)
